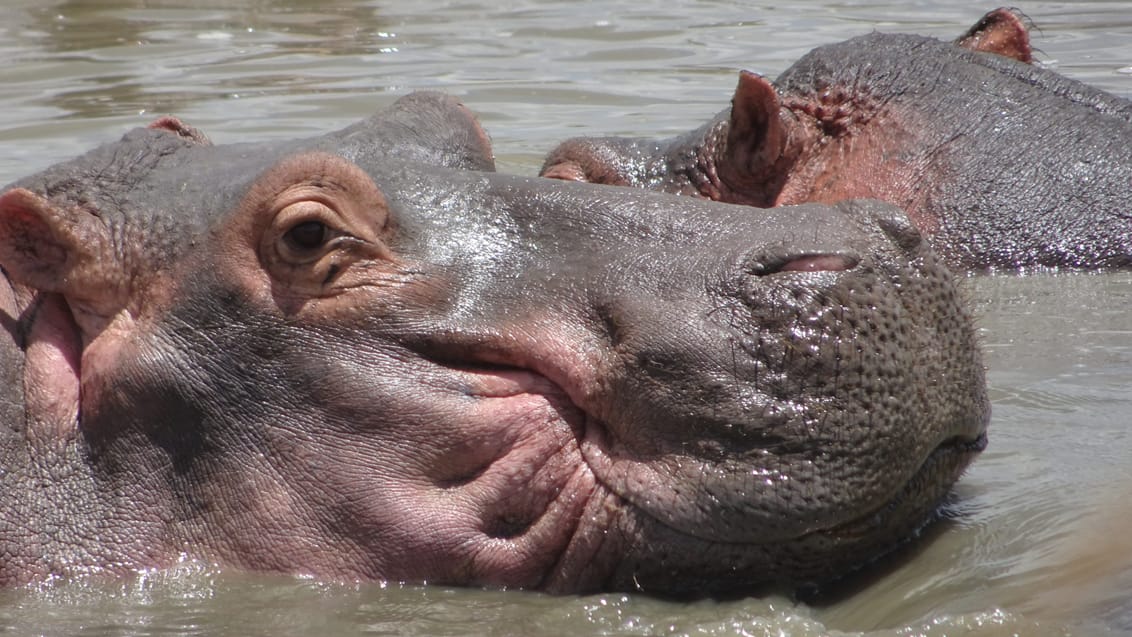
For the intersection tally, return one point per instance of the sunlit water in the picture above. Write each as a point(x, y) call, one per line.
point(1038, 538)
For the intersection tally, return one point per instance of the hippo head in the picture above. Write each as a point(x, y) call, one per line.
point(756, 151)
point(354, 358)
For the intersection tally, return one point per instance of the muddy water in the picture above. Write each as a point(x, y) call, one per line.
point(1037, 538)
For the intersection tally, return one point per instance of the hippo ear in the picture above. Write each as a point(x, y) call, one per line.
point(756, 134)
point(41, 245)
point(181, 129)
point(1001, 32)
point(441, 129)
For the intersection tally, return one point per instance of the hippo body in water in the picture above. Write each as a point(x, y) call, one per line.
point(368, 356)
point(1002, 164)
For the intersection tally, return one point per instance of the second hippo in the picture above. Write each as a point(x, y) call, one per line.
point(1004, 165)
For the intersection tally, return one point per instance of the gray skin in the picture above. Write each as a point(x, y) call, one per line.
point(1001, 164)
point(355, 357)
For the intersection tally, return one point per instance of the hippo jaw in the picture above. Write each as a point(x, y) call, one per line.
point(583, 514)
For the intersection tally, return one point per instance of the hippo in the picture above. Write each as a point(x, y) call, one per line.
point(1002, 164)
point(368, 356)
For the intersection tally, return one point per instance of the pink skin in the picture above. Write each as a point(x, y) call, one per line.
point(784, 151)
point(491, 480)
point(509, 523)
point(73, 322)
point(51, 372)
point(811, 139)
point(517, 496)
point(1000, 32)
point(819, 263)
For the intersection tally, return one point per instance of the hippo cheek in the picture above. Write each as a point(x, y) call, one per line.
point(388, 466)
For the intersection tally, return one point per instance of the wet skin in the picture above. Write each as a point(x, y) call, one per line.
point(1003, 165)
point(368, 356)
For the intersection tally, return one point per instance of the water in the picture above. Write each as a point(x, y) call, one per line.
point(1037, 539)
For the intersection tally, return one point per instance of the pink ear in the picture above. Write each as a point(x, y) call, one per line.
point(756, 131)
point(176, 126)
point(756, 135)
point(41, 244)
point(1000, 32)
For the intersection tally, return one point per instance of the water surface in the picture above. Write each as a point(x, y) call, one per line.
point(1038, 535)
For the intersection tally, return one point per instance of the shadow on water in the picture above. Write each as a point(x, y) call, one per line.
point(831, 594)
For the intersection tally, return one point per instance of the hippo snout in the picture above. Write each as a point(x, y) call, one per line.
point(824, 392)
point(840, 249)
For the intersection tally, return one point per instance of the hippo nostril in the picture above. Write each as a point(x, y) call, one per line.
point(809, 263)
point(820, 263)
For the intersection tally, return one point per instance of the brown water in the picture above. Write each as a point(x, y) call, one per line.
point(1038, 539)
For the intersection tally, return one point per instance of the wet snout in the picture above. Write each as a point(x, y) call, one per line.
point(828, 372)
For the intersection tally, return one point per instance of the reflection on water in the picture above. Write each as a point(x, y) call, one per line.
point(1036, 539)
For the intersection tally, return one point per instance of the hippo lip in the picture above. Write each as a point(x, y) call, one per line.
point(607, 457)
point(599, 450)
point(952, 454)
point(956, 450)
point(532, 486)
point(864, 538)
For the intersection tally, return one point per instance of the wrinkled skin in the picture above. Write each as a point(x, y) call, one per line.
point(368, 356)
point(1001, 164)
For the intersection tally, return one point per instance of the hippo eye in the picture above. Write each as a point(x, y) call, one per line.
point(308, 230)
point(309, 235)
point(316, 235)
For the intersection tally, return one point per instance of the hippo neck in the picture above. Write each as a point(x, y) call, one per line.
point(71, 517)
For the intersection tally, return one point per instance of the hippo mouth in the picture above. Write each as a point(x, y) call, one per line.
point(948, 458)
point(709, 562)
point(588, 504)
point(951, 455)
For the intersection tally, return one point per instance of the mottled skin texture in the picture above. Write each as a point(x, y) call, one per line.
point(1000, 163)
point(368, 356)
